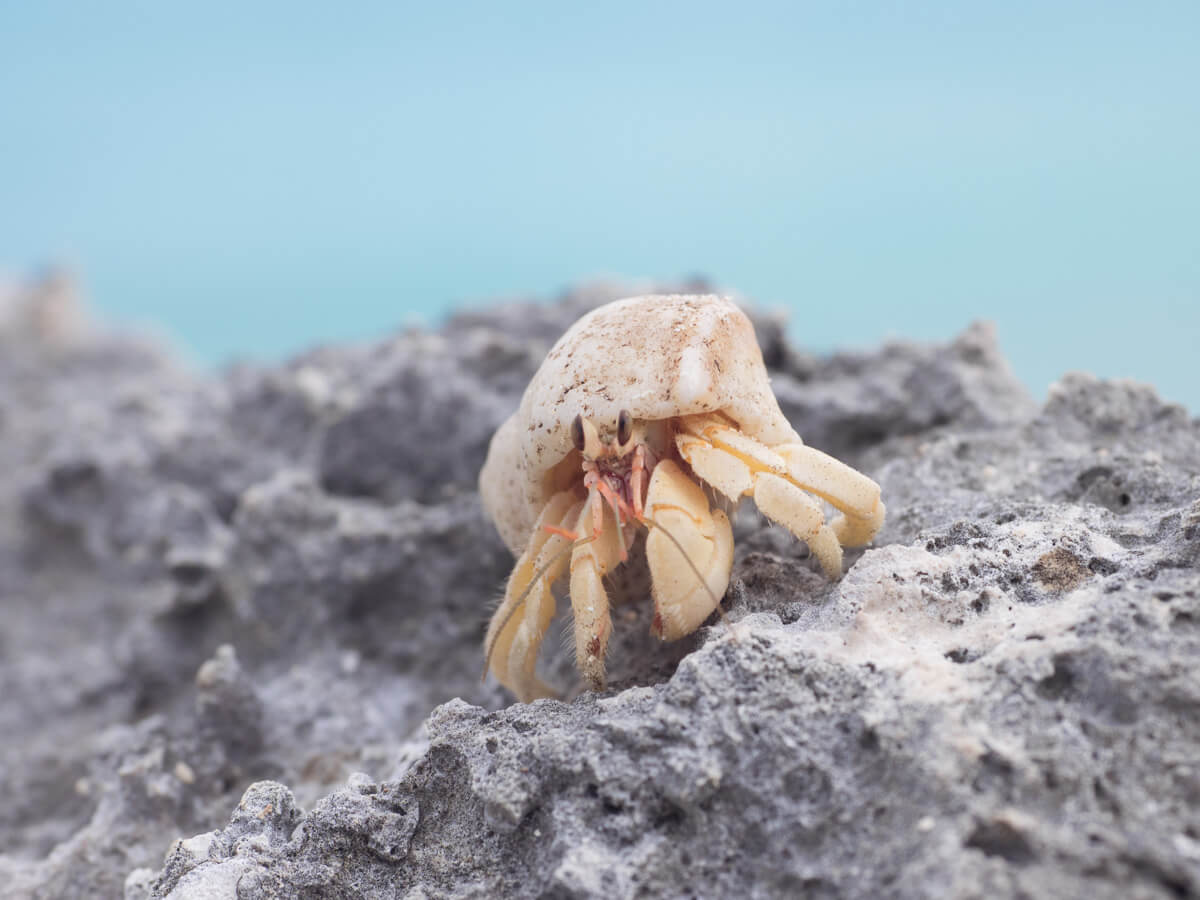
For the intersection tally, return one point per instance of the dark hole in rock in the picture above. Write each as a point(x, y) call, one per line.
point(1104, 798)
point(190, 574)
point(869, 739)
point(999, 838)
point(669, 817)
point(75, 477)
point(1059, 683)
point(996, 764)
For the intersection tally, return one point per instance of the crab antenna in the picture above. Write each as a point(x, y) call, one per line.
point(649, 520)
point(620, 534)
point(520, 601)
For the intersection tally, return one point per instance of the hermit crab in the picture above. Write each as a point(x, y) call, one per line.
point(652, 412)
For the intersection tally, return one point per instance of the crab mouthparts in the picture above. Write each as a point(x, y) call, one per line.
point(620, 484)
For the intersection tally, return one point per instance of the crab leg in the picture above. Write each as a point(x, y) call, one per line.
point(777, 477)
point(519, 623)
point(782, 502)
point(852, 492)
point(589, 563)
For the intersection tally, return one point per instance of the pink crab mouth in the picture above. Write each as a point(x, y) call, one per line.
point(616, 474)
point(621, 483)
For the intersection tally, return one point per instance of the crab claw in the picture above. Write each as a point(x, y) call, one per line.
point(690, 551)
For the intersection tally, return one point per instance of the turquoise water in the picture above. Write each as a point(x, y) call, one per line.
point(253, 182)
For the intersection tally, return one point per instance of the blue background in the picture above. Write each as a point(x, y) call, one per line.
point(250, 181)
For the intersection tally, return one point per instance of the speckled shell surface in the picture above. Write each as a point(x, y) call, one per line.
point(658, 356)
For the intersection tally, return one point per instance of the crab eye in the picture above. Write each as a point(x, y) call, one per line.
point(577, 433)
point(624, 427)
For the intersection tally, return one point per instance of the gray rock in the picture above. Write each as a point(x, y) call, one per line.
point(855, 400)
point(243, 614)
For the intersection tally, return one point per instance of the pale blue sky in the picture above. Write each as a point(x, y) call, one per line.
point(253, 181)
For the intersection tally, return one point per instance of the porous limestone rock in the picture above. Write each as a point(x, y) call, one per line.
point(240, 654)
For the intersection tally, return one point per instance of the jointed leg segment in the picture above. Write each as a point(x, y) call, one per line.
point(589, 601)
point(515, 633)
point(778, 478)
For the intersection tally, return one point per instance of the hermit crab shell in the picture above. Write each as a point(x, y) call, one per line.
point(658, 356)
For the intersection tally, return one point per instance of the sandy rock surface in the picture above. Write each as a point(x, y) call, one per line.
point(240, 650)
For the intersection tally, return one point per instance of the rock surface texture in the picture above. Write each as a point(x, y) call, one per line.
point(242, 615)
